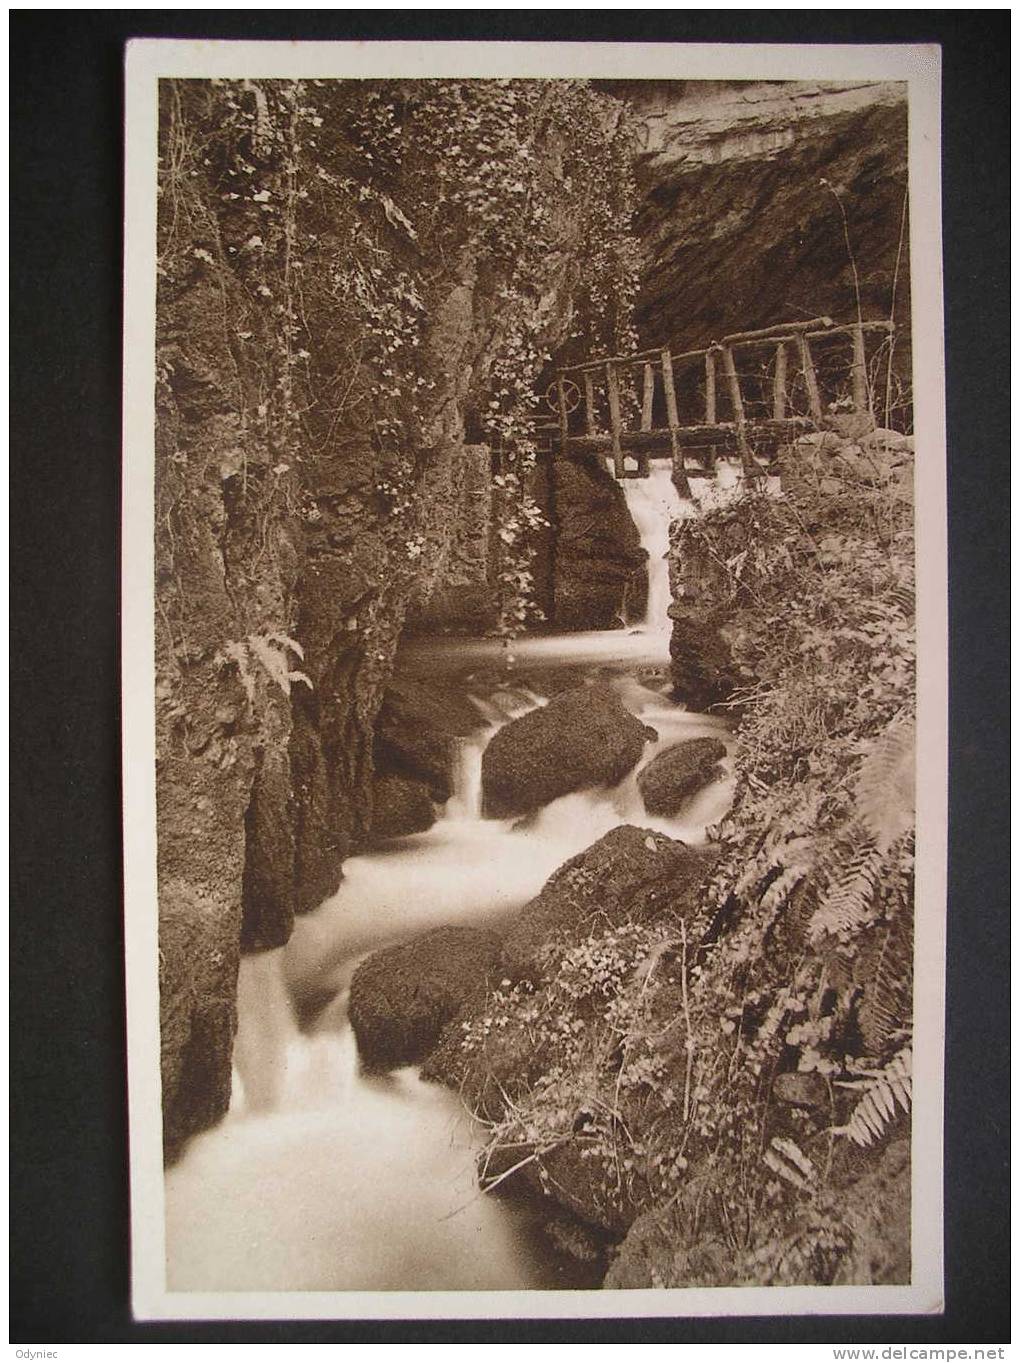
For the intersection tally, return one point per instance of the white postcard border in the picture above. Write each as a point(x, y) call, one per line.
point(148, 60)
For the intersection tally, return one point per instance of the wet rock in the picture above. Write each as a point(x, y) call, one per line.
point(418, 730)
point(701, 660)
point(673, 776)
point(590, 570)
point(319, 832)
point(584, 737)
point(571, 1236)
point(587, 1188)
point(403, 996)
point(268, 886)
point(631, 874)
point(508, 1060)
point(400, 806)
point(198, 960)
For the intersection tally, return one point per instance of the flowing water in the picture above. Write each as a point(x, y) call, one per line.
point(324, 1178)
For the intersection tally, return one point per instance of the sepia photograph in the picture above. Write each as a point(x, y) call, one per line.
point(534, 690)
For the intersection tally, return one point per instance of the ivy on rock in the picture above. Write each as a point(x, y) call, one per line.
point(400, 258)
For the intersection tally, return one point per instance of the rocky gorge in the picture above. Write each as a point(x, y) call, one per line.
point(661, 955)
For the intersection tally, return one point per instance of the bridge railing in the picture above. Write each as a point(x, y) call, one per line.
point(648, 383)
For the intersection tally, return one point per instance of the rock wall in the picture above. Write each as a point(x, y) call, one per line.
point(738, 217)
point(591, 572)
point(264, 777)
point(221, 722)
point(463, 596)
point(302, 513)
point(589, 568)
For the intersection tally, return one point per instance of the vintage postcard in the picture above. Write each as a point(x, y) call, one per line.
point(534, 679)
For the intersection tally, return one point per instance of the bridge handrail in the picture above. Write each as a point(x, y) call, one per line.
point(815, 329)
point(779, 336)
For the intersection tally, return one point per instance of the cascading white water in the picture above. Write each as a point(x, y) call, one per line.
point(653, 503)
point(323, 1178)
point(496, 710)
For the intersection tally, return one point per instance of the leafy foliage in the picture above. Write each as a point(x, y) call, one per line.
point(270, 651)
point(340, 224)
point(661, 1052)
point(881, 1091)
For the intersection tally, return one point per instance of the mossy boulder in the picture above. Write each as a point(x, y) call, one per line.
point(630, 875)
point(673, 776)
point(590, 569)
point(403, 996)
point(584, 737)
point(591, 1189)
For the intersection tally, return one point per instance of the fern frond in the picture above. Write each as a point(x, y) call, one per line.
point(785, 1158)
point(284, 641)
point(271, 651)
point(881, 1091)
point(885, 784)
point(783, 886)
point(884, 971)
point(785, 855)
point(849, 903)
point(905, 600)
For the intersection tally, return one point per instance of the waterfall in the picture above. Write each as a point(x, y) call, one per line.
point(653, 503)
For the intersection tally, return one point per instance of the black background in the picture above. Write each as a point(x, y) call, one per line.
point(69, 1208)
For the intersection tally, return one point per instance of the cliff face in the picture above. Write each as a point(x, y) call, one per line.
point(589, 569)
point(737, 228)
point(330, 319)
point(283, 594)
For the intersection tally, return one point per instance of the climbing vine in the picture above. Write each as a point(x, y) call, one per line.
point(340, 224)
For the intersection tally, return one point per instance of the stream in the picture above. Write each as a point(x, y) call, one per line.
point(323, 1178)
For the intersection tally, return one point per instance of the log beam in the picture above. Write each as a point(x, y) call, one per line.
point(615, 425)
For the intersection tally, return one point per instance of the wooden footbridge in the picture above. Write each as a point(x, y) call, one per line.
point(659, 388)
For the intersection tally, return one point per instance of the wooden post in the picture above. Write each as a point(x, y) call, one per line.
point(710, 453)
point(680, 482)
point(737, 403)
point(710, 388)
point(647, 396)
point(779, 384)
point(589, 403)
point(613, 390)
point(859, 372)
point(561, 397)
point(810, 379)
